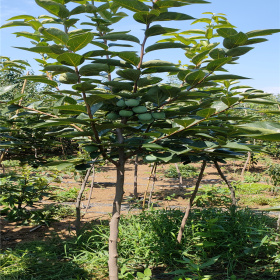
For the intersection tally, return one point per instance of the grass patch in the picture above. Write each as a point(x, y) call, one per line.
point(186, 171)
point(243, 241)
point(63, 195)
point(252, 188)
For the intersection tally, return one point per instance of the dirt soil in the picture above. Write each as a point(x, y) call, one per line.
point(103, 196)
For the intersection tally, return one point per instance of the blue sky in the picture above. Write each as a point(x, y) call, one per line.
point(261, 64)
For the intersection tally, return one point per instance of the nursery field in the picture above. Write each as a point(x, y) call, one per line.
point(137, 154)
point(219, 242)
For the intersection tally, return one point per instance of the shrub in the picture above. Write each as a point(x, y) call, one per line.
point(186, 171)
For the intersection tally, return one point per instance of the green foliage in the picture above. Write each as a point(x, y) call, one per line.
point(251, 188)
point(250, 177)
point(21, 191)
point(273, 149)
point(187, 171)
point(244, 240)
point(274, 173)
point(209, 196)
point(63, 195)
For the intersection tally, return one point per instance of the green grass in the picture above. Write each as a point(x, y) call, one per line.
point(252, 188)
point(68, 195)
point(243, 240)
point(186, 171)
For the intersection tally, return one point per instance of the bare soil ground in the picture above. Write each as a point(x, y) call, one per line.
point(103, 196)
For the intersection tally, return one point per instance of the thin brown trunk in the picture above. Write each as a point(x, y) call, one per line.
point(189, 206)
point(116, 213)
point(135, 189)
point(245, 166)
point(153, 185)
point(91, 189)
point(278, 228)
point(231, 188)
point(179, 175)
point(2, 155)
point(145, 194)
point(78, 202)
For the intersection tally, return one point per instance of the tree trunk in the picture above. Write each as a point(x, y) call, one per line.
point(189, 206)
point(278, 228)
point(245, 166)
point(2, 155)
point(153, 185)
point(231, 188)
point(78, 202)
point(135, 189)
point(152, 175)
point(114, 224)
point(91, 189)
point(179, 175)
point(116, 213)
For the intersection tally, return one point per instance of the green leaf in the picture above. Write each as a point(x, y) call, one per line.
point(217, 63)
point(54, 8)
point(25, 17)
point(226, 32)
point(276, 208)
point(230, 100)
point(144, 17)
point(74, 108)
point(39, 79)
point(147, 81)
point(217, 53)
point(225, 77)
point(199, 57)
point(206, 20)
point(169, 4)
point(129, 74)
point(96, 98)
point(114, 62)
point(166, 16)
point(206, 113)
point(130, 57)
point(161, 69)
point(219, 106)
point(96, 53)
point(28, 35)
point(93, 69)
point(58, 68)
point(39, 49)
point(195, 77)
point(156, 63)
point(78, 10)
point(6, 89)
point(158, 30)
point(152, 146)
point(259, 101)
point(255, 41)
point(71, 59)
point(238, 51)
point(80, 41)
point(119, 85)
point(54, 34)
point(156, 96)
point(85, 86)
point(132, 5)
point(185, 122)
point(165, 45)
point(15, 23)
point(120, 37)
point(264, 32)
point(235, 41)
